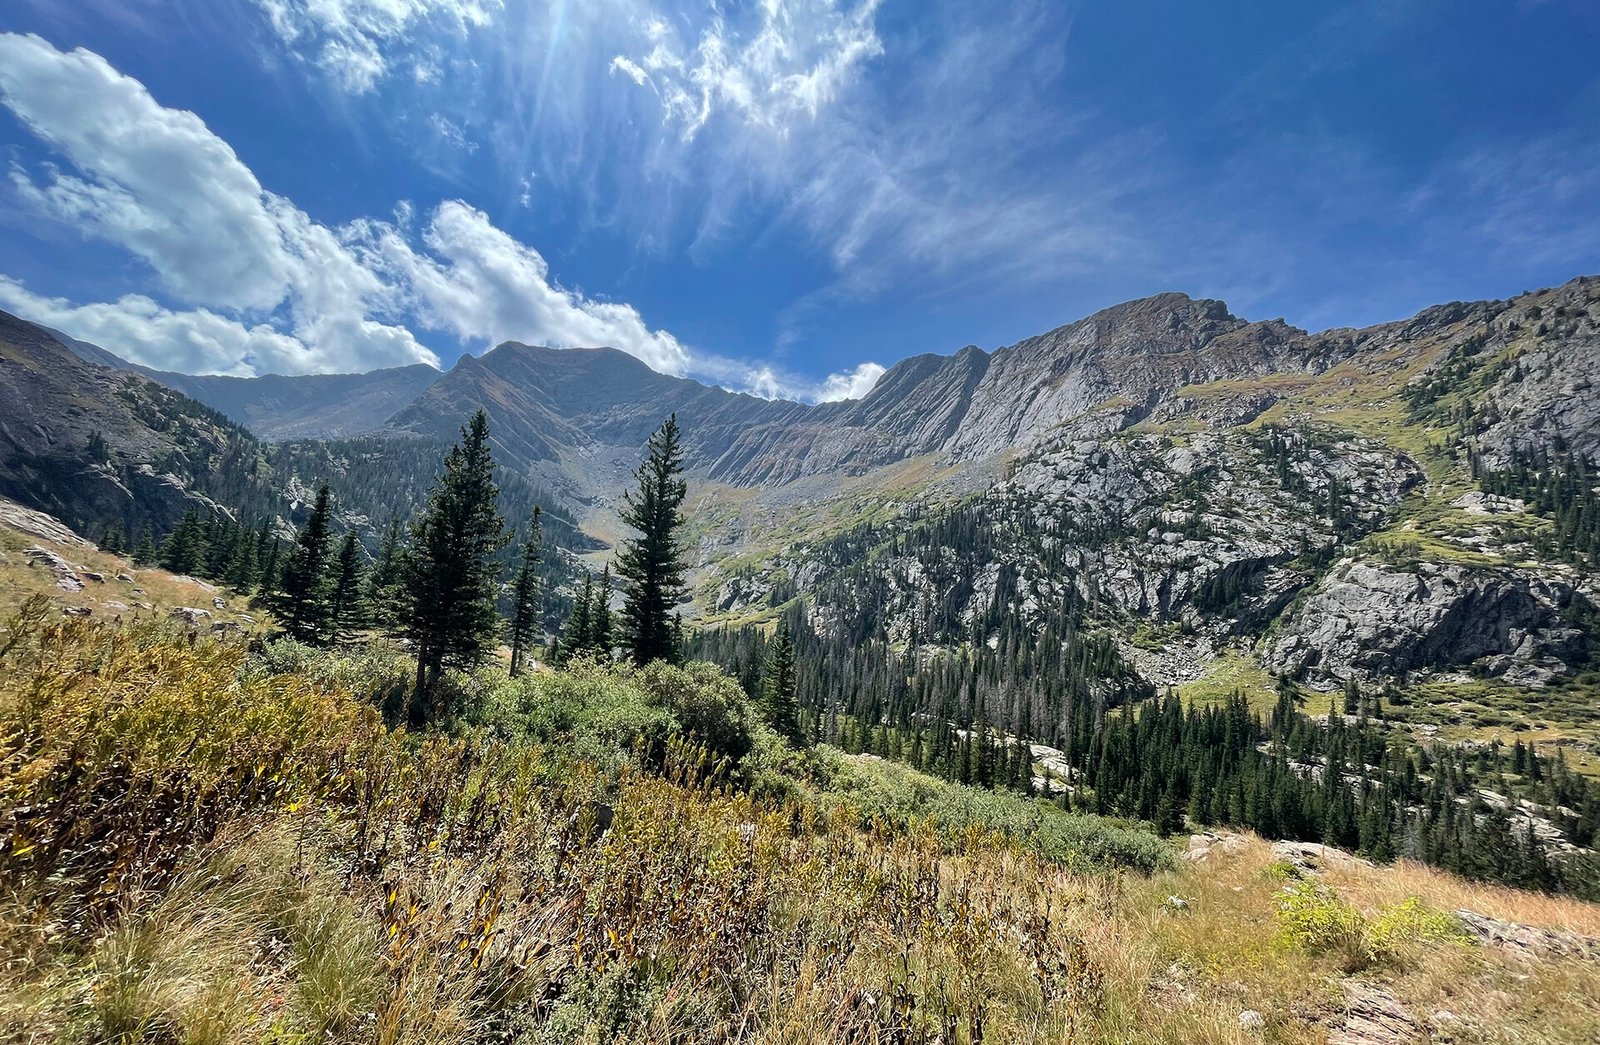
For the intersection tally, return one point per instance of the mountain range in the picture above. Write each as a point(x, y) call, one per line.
point(555, 411)
point(1245, 492)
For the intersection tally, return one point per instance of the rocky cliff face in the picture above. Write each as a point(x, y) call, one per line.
point(1370, 622)
point(275, 407)
point(92, 445)
point(569, 406)
point(1543, 364)
point(1203, 484)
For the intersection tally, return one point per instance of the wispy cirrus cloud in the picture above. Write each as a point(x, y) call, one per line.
point(946, 172)
point(915, 157)
point(360, 42)
point(788, 63)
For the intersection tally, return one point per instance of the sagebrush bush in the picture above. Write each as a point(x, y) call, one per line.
point(612, 713)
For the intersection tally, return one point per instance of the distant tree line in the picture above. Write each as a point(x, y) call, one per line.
point(1346, 778)
point(1558, 487)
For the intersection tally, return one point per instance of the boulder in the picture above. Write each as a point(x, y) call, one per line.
point(1311, 857)
point(66, 575)
point(1529, 941)
point(1373, 1016)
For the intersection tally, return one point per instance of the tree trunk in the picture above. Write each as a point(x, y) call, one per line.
point(419, 696)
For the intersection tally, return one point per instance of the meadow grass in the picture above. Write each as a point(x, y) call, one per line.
point(201, 844)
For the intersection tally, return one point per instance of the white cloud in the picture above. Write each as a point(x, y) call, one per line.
point(306, 297)
point(852, 385)
point(452, 133)
point(630, 69)
point(770, 382)
point(936, 158)
point(794, 60)
point(156, 182)
point(359, 41)
point(142, 331)
point(479, 283)
point(253, 284)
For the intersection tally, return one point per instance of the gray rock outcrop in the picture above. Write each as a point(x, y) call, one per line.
point(1367, 620)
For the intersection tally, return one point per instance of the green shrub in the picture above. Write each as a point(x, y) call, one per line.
point(1314, 918)
point(378, 673)
point(607, 713)
point(705, 702)
point(1399, 926)
point(882, 790)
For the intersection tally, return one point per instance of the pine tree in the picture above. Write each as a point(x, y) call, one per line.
point(184, 550)
point(301, 601)
point(271, 567)
point(778, 685)
point(144, 553)
point(600, 629)
point(651, 564)
point(452, 575)
point(347, 609)
point(577, 637)
point(385, 587)
point(525, 617)
point(240, 572)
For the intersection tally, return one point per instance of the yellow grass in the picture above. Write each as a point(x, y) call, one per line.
point(151, 592)
point(340, 882)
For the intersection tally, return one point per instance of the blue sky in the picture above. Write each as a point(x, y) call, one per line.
point(780, 196)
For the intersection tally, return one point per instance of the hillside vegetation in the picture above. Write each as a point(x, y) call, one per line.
point(202, 843)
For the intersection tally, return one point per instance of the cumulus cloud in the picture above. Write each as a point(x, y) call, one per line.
point(252, 284)
point(158, 183)
point(358, 42)
point(478, 282)
point(771, 382)
point(157, 180)
point(851, 385)
point(145, 332)
point(304, 297)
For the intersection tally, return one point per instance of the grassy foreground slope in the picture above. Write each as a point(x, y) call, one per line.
point(205, 842)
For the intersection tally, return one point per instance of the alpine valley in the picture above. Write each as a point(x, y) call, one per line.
point(1407, 508)
point(1164, 677)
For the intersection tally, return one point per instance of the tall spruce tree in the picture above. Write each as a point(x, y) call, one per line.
point(778, 685)
point(301, 602)
point(386, 581)
point(600, 630)
point(241, 570)
point(271, 566)
point(651, 565)
point(144, 552)
point(525, 616)
point(347, 609)
point(452, 578)
point(577, 636)
point(184, 550)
